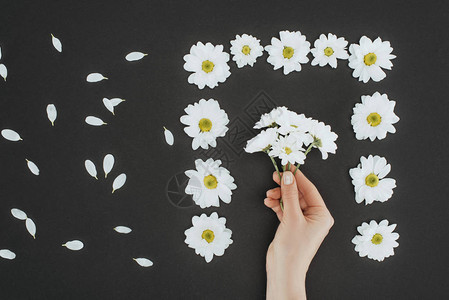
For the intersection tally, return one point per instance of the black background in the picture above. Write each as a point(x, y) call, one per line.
point(66, 203)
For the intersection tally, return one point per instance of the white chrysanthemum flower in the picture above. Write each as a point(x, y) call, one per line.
point(208, 236)
point(323, 138)
point(369, 58)
point(289, 150)
point(377, 241)
point(328, 49)
point(245, 50)
point(206, 121)
point(290, 121)
point(208, 63)
point(288, 52)
point(374, 117)
point(369, 180)
point(271, 118)
point(209, 183)
point(262, 141)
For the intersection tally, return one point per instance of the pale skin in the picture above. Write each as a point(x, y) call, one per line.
point(304, 223)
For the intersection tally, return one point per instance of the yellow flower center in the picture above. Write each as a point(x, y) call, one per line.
point(374, 119)
point(288, 52)
point(372, 180)
point(205, 125)
point(328, 51)
point(208, 235)
point(377, 239)
point(207, 66)
point(370, 59)
point(288, 150)
point(246, 50)
point(210, 181)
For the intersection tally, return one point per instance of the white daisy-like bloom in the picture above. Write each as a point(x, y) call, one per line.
point(289, 150)
point(209, 183)
point(377, 241)
point(208, 63)
point(374, 117)
point(368, 58)
point(328, 49)
point(290, 121)
point(369, 180)
point(323, 138)
point(205, 122)
point(208, 236)
point(245, 50)
point(270, 119)
point(289, 52)
point(263, 141)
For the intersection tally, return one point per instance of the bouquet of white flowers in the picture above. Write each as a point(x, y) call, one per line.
point(290, 137)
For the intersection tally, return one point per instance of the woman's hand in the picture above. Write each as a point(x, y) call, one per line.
point(305, 222)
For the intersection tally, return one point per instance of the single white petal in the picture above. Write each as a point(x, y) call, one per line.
point(19, 214)
point(31, 227)
point(107, 103)
point(135, 56)
point(74, 245)
point(52, 113)
point(0, 52)
point(91, 169)
point(3, 71)
point(7, 254)
point(169, 138)
point(116, 101)
point(122, 229)
point(108, 163)
point(94, 121)
point(119, 181)
point(95, 77)
point(32, 166)
point(11, 135)
point(56, 43)
point(144, 262)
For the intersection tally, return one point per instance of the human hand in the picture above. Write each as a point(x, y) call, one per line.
point(304, 224)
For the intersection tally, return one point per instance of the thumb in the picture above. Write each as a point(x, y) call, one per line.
point(289, 193)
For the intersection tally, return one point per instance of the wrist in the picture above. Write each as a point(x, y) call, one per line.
point(286, 288)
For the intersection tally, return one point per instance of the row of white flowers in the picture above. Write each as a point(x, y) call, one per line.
point(209, 63)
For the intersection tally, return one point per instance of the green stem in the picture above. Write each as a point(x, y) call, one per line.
point(280, 177)
point(305, 153)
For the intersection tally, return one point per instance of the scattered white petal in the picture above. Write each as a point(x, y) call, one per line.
point(119, 181)
point(0, 52)
point(116, 101)
point(94, 121)
point(32, 166)
point(3, 71)
point(74, 245)
point(123, 229)
point(11, 135)
point(169, 138)
point(56, 43)
point(52, 113)
point(108, 163)
point(95, 77)
point(31, 227)
point(107, 103)
point(19, 214)
point(91, 169)
point(7, 254)
point(144, 262)
point(133, 56)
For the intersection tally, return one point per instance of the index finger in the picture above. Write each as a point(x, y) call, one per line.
point(311, 195)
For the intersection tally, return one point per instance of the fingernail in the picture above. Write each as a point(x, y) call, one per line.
point(287, 177)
